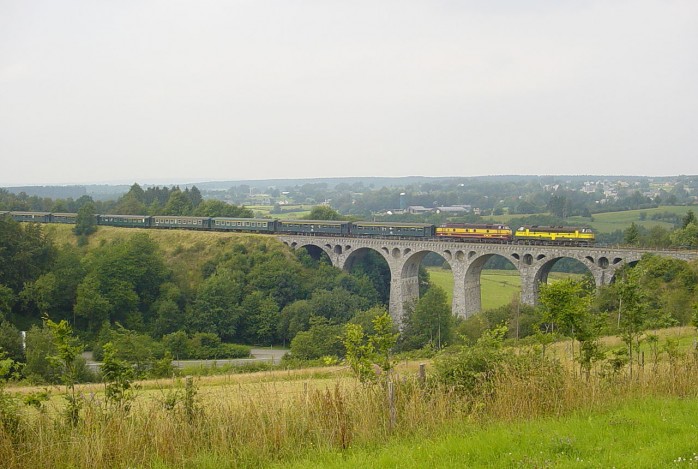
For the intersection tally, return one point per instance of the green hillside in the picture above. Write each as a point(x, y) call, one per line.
point(612, 221)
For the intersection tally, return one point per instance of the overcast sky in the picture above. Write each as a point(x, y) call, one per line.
point(182, 91)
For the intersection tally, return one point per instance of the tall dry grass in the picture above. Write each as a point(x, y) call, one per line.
point(277, 423)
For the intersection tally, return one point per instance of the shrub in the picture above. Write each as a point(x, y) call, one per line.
point(472, 369)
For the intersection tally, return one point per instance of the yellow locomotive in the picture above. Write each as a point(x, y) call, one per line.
point(557, 234)
point(475, 232)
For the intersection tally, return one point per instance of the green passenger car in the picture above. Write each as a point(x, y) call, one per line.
point(34, 217)
point(313, 227)
point(67, 218)
point(128, 221)
point(177, 222)
point(408, 230)
point(257, 225)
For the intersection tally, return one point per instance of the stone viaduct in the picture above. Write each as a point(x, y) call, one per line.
point(466, 261)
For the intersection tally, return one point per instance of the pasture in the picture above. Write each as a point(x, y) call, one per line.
point(497, 287)
point(288, 212)
point(612, 221)
point(609, 222)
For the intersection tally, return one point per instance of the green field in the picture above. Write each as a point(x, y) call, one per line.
point(498, 286)
point(641, 433)
point(296, 211)
point(612, 221)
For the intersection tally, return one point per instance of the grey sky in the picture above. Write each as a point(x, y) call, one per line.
point(156, 91)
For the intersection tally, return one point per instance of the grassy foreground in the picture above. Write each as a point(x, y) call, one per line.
point(530, 413)
point(640, 433)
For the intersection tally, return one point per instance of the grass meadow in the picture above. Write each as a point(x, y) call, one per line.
point(611, 221)
point(497, 287)
point(645, 432)
point(535, 416)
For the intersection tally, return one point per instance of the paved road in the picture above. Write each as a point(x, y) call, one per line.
point(263, 355)
point(266, 353)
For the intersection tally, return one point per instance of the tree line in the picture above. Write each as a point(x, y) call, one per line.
point(137, 201)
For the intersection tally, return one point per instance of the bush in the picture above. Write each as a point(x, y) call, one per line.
point(235, 351)
point(472, 369)
point(322, 339)
point(201, 346)
point(205, 345)
point(39, 346)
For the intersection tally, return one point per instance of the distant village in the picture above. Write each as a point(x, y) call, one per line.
point(607, 191)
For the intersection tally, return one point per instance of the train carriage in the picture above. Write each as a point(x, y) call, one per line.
point(475, 231)
point(128, 221)
point(67, 218)
point(174, 221)
point(527, 234)
point(313, 227)
point(556, 234)
point(35, 217)
point(383, 229)
point(259, 225)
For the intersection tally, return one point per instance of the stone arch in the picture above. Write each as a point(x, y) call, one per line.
point(472, 280)
point(412, 263)
point(409, 273)
point(543, 271)
point(316, 251)
point(385, 279)
point(359, 253)
point(547, 266)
